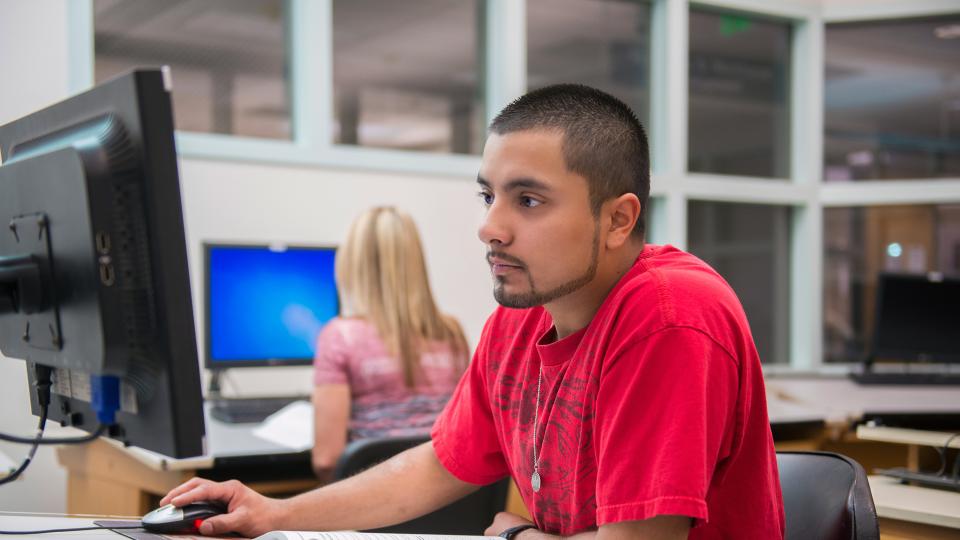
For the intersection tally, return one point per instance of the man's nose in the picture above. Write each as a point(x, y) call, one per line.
point(495, 226)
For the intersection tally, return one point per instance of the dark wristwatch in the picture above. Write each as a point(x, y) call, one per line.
point(512, 532)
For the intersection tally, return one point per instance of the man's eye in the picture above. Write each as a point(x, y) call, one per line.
point(529, 202)
point(485, 197)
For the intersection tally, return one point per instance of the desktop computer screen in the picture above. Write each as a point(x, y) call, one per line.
point(265, 305)
point(94, 285)
point(917, 318)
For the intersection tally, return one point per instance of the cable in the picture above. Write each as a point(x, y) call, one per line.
point(956, 462)
point(48, 531)
point(43, 378)
point(33, 450)
point(43, 382)
point(942, 452)
point(101, 429)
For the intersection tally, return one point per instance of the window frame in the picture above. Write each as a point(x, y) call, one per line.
point(672, 186)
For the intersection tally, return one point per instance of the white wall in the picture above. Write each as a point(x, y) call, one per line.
point(33, 73)
point(226, 201)
point(244, 202)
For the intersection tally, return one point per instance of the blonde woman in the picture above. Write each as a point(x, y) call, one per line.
point(389, 364)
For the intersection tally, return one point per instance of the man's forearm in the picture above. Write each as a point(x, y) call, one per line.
point(539, 535)
point(657, 528)
point(408, 485)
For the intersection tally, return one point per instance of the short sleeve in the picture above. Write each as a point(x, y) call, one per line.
point(665, 417)
point(331, 360)
point(465, 435)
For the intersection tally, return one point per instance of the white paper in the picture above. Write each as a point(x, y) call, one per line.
point(291, 426)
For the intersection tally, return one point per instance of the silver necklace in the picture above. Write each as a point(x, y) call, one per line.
point(535, 477)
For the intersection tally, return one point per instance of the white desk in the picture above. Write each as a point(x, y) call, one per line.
point(225, 442)
point(936, 439)
point(17, 521)
point(840, 400)
point(10, 521)
point(915, 512)
point(105, 478)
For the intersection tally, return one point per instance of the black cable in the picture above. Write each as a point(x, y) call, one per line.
point(43, 379)
point(55, 440)
point(43, 383)
point(956, 462)
point(49, 531)
point(33, 450)
point(942, 452)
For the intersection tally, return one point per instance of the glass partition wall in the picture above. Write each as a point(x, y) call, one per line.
point(799, 147)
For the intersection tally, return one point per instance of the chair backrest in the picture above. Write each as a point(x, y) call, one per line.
point(826, 497)
point(470, 515)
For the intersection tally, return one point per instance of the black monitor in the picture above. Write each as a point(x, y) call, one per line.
point(265, 304)
point(917, 318)
point(93, 268)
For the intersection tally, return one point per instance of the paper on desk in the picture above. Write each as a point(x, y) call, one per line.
point(291, 426)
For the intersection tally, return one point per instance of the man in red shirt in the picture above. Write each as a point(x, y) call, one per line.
point(618, 385)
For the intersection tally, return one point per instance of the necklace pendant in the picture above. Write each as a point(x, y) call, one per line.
point(535, 481)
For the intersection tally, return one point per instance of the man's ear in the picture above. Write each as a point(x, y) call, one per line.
point(624, 211)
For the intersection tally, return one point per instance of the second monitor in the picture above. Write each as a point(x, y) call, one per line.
point(264, 306)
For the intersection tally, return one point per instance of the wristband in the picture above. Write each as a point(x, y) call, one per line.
point(512, 532)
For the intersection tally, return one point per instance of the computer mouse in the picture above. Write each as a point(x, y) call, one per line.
point(183, 519)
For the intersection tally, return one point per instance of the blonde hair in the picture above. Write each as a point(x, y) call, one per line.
point(382, 277)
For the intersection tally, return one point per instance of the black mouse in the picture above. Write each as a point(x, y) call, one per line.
point(184, 519)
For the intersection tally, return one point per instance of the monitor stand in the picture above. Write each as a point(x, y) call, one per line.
point(242, 410)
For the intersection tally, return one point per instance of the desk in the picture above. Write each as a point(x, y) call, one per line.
point(840, 400)
point(915, 512)
point(908, 436)
point(806, 413)
point(10, 521)
point(105, 479)
point(843, 404)
point(912, 438)
point(795, 426)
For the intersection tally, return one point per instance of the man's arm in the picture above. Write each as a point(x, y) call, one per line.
point(408, 485)
point(655, 528)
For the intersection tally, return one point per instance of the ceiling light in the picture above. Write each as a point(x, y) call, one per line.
point(948, 31)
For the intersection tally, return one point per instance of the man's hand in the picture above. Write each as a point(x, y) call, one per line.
point(503, 521)
point(248, 513)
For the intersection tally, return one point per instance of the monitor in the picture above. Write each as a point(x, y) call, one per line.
point(265, 304)
point(917, 318)
point(94, 285)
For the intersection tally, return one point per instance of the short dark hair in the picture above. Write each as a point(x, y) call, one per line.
point(603, 140)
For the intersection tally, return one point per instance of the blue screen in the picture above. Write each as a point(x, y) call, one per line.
point(266, 304)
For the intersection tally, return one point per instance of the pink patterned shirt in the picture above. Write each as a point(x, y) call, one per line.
point(350, 351)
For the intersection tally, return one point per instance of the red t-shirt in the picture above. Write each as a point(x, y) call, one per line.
point(656, 407)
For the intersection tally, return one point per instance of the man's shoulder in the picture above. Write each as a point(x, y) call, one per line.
point(669, 287)
point(665, 269)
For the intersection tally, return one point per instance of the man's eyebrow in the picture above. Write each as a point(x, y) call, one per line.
point(517, 183)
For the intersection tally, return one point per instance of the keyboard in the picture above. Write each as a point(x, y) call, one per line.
point(941, 481)
point(872, 377)
point(249, 410)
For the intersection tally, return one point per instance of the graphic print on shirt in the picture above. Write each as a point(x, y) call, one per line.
point(565, 430)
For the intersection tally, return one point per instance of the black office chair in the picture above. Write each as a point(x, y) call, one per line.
point(470, 515)
point(826, 497)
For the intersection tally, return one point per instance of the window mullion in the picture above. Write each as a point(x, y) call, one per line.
point(505, 58)
point(80, 40)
